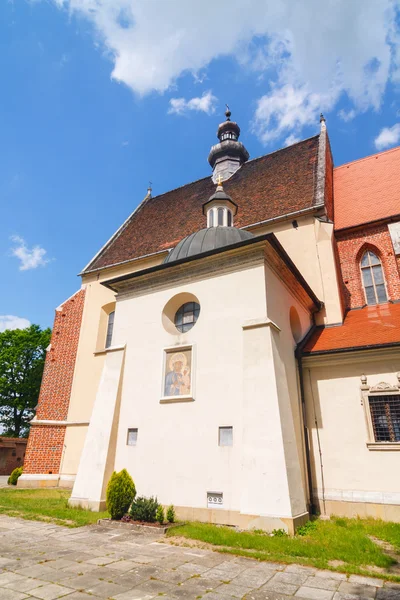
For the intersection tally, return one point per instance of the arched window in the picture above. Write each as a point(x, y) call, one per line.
point(211, 218)
point(220, 216)
point(110, 328)
point(229, 218)
point(372, 277)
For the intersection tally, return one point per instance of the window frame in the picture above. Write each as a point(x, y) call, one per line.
point(194, 311)
point(230, 427)
point(109, 343)
point(369, 267)
point(183, 398)
point(127, 436)
point(377, 391)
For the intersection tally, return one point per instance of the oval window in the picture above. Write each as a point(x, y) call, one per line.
point(186, 316)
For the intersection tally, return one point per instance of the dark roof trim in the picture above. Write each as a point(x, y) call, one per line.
point(351, 349)
point(381, 221)
point(268, 237)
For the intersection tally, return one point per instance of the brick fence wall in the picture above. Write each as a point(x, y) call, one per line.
point(45, 443)
point(351, 247)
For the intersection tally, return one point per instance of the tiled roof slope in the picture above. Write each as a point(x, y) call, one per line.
point(266, 187)
point(367, 189)
point(369, 326)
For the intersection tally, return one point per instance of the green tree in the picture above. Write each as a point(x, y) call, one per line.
point(22, 355)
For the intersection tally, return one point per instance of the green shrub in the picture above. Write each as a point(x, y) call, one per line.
point(279, 533)
point(160, 514)
point(120, 493)
point(171, 514)
point(307, 528)
point(12, 480)
point(144, 509)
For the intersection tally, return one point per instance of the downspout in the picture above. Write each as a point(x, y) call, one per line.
point(312, 508)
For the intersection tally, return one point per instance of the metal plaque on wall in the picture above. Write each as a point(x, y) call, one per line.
point(394, 230)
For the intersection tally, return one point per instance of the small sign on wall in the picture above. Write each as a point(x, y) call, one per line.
point(394, 230)
point(215, 499)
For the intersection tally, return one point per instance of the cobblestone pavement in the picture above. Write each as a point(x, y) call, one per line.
point(45, 561)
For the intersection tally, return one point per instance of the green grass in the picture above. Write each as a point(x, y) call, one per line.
point(45, 505)
point(338, 539)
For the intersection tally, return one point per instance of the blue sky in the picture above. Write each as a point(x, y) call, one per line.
point(100, 97)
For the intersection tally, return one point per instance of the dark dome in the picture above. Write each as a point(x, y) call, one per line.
point(207, 239)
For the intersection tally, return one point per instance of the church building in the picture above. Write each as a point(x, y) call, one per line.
point(235, 345)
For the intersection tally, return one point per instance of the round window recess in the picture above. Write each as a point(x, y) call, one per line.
point(181, 313)
point(295, 324)
point(186, 316)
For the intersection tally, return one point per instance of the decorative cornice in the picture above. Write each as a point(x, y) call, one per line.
point(205, 268)
point(263, 322)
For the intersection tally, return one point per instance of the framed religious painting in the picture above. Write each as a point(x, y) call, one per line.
point(177, 382)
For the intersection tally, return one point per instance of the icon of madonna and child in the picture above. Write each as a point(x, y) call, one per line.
point(178, 373)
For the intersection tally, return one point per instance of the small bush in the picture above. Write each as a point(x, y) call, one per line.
point(279, 533)
point(144, 509)
point(120, 493)
point(307, 528)
point(160, 514)
point(13, 479)
point(171, 514)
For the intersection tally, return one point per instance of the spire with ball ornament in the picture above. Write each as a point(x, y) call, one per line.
point(229, 154)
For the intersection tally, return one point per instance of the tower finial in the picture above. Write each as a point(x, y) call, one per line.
point(219, 182)
point(322, 118)
point(228, 113)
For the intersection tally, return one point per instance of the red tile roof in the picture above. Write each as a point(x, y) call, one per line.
point(368, 326)
point(367, 189)
point(271, 186)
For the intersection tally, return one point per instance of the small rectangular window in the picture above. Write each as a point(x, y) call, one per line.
point(225, 437)
point(385, 416)
point(131, 439)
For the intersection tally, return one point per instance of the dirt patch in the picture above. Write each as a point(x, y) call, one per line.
point(390, 551)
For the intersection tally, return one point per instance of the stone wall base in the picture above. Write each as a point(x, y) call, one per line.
point(46, 481)
point(94, 505)
point(238, 519)
point(386, 512)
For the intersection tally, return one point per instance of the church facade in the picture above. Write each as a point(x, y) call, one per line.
point(236, 345)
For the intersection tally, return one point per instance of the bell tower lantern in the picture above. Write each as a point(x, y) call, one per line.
point(229, 154)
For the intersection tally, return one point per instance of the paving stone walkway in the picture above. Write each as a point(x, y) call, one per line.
point(45, 561)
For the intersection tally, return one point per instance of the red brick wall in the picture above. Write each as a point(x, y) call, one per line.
point(45, 444)
point(12, 452)
point(351, 247)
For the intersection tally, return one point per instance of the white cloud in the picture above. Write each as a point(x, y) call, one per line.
point(12, 322)
point(388, 136)
point(287, 109)
point(291, 139)
point(321, 51)
point(30, 258)
point(206, 103)
point(347, 115)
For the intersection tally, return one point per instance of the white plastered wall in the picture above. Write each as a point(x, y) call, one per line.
point(310, 245)
point(177, 456)
point(90, 360)
point(352, 473)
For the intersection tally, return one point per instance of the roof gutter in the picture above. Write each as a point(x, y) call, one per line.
point(350, 349)
point(286, 217)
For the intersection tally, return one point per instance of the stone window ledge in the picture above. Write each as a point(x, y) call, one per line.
point(110, 349)
point(383, 445)
point(171, 399)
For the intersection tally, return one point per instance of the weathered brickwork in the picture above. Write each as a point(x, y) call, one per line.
point(351, 246)
point(45, 443)
point(12, 452)
point(45, 448)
